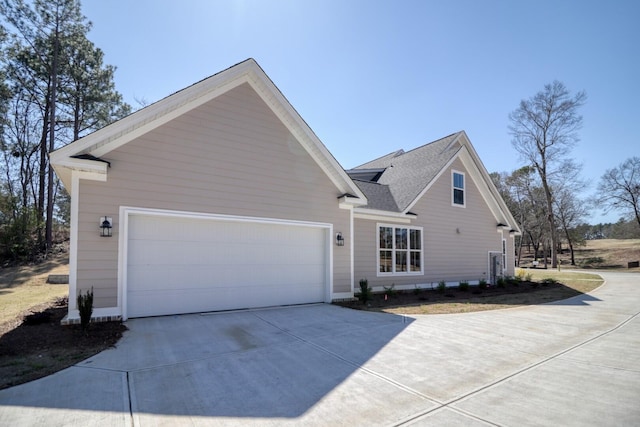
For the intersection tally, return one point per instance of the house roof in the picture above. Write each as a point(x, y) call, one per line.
point(406, 174)
point(395, 182)
point(378, 195)
point(84, 155)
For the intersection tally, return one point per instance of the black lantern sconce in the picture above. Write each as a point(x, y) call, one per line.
point(339, 239)
point(106, 226)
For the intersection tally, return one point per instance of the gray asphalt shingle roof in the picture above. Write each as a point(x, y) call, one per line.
point(378, 195)
point(406, 174)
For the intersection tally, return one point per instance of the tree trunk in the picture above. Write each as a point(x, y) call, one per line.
point(520, 250)
point(551, 219)
point(42, 173)
point(52, 135)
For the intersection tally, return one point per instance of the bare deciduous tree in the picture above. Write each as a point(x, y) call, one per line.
point(544, 130)
point(619, 189)
point(570, 210)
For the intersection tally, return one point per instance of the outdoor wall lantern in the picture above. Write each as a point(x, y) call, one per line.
point(106, 226)
point(339, 239)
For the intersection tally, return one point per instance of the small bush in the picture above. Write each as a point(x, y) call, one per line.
point(441, 286)
point(365, 291)
point(416, 290)
point(528, 277)
point(482, 284)
point(520, 274)
point(85, 307)
point(501, 282)
point(463, 286)
point(390, 291)
point(549, 281)
point(515, 281)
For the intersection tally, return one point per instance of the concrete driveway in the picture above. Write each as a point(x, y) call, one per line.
point(574, 362)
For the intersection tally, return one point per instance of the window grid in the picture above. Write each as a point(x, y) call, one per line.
point(458, 189)
point(399, 250)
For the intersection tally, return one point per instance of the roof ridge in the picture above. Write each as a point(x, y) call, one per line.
point(433, 142)
point(393, 153)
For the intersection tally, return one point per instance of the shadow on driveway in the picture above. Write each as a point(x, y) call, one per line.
point(261, 363)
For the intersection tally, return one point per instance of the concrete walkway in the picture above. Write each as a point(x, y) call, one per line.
point(574, 362)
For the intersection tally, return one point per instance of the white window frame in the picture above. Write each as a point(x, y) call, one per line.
point(504, 256)
point(454, 188)
point(393, 249)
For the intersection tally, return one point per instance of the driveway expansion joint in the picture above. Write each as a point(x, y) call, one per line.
point(448, 404)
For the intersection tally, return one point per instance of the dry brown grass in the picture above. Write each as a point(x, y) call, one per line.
point(606, 254)
point(603, 254)
point(26, 286)
point(33, 343)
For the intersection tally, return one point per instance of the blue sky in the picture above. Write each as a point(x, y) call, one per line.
point(371, 77)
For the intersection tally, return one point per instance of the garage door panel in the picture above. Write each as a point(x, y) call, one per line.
point(182, 265)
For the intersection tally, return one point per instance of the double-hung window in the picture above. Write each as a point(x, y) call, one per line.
point(399, 250)
point(457, 198)
point(504, 256)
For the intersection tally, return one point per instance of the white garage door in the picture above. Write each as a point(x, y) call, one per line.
point(185, 265)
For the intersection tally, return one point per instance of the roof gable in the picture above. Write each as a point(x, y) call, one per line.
point(407, 176)
point(109, 138)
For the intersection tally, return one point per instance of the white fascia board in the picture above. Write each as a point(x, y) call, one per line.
point(175, 110)
point(83, 165)
point(489, 192)
point(350, 202)
point(378, 215)
point(281, 107)
point(116, 134)
point(137, 124)
point(87, 169)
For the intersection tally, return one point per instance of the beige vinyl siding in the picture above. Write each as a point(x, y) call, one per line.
point(448, 254)
point(230, 156)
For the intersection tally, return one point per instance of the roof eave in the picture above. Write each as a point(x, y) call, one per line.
point(111, 137)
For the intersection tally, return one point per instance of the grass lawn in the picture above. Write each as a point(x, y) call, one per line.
point(33, 343)
point(24, 287)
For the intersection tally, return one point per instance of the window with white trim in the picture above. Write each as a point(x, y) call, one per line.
point(457, 181)
point(504, 256)
point(399, 250)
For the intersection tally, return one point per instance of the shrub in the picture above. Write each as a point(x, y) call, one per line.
point(365, 291)
point(463, 286)
point(85, 307)
point(515, 281)
point(482, 284)
point(549, 281)
point(501, 282)
point(441, 286)
point(416, 289)
point(528, 277)
point(390, 291)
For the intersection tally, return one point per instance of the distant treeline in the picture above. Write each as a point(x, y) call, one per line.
point(619, 230)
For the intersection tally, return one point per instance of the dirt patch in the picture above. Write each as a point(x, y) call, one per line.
point(35, 344)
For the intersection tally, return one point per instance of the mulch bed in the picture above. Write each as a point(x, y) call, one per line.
point(395, 298)
point(37, 345)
